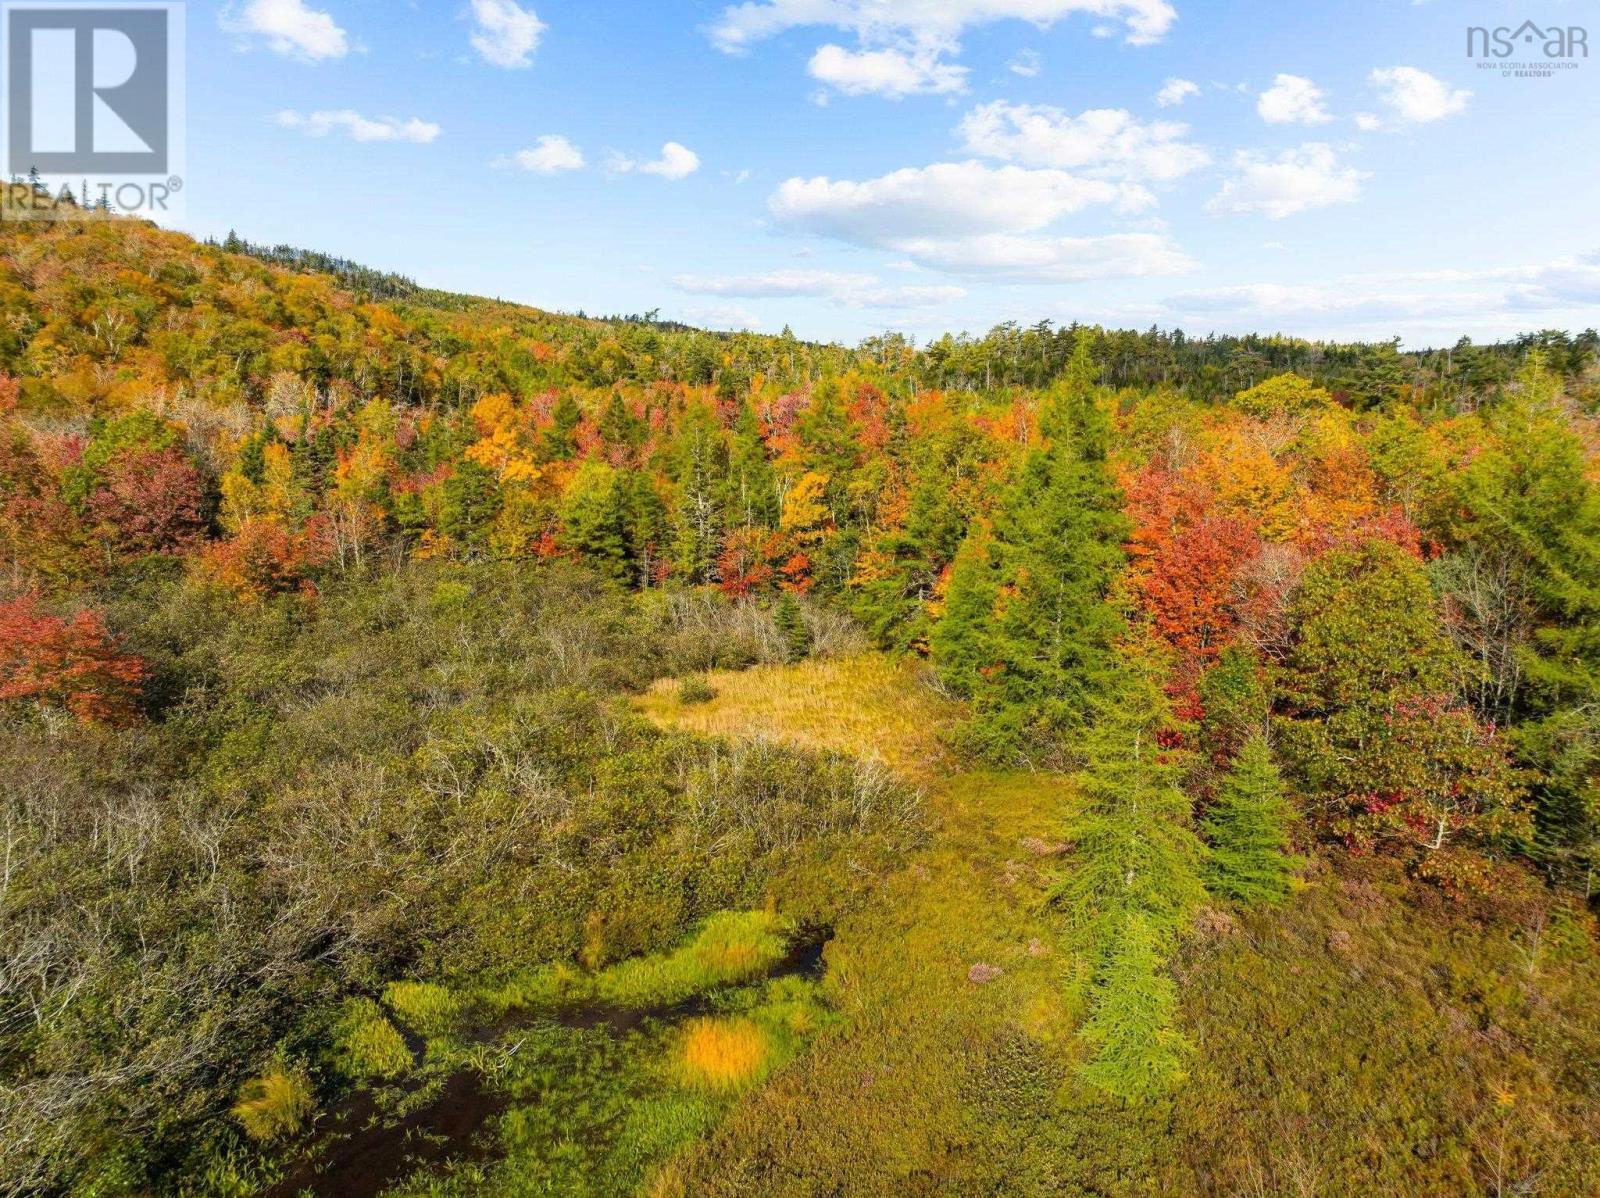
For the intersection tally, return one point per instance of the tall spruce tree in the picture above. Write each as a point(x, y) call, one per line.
point(791, 625)
point(1248, 828)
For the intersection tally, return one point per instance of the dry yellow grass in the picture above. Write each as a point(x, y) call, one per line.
point(722, 1054)
point(868, 706)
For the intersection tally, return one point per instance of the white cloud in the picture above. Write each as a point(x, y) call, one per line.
point(1175, 91)
point(361, 128)
point(676, 162)
point(947, 199)
point(505, 34)
point(550, 155)
point(1104, 142)
point(1293, 100)
point(1415, 96)
point(928, 21)
point(848, 290)
point(1308, 177)
point(968, 218)
point(1027, 64)
point(892, 73)
point(1423, 307)
point(723, 316)
point(896, 35)
point(290, 28)
point(1368, 122)
point(1051, 259)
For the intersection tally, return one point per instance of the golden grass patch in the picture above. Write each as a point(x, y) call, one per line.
point(722, 1054)
point(869, 706)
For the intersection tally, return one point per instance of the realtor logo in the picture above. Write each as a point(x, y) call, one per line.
point(93, 97)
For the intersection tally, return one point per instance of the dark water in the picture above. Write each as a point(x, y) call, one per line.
point(358, 1151)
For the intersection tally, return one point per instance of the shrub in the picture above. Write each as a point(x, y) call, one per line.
point(695, 690)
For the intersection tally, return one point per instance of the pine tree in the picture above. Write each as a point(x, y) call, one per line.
point(751, 493)
point(962, 640)
point(1136, 848)
point(594, 519)
point(560, 442)
point(1248, 830)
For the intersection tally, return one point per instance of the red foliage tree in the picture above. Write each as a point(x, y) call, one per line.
point(149, 502)
point(75, 663)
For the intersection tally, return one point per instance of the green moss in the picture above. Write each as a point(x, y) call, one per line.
point(424, 1007)
point(366, 1045)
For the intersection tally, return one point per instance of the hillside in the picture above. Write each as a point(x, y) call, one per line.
point(448, 747)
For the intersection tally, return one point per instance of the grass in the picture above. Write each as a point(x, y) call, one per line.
point(730, 947)
point(884, 1098)
point(424, 1007)
point(366, 1045)
point(869, 706)
point(275, 1105)
point(723, 1054)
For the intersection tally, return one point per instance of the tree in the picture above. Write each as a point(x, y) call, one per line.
point(559, 443)
point(1247, 828)
point(73, 663)
point(791, 625)
point(1035, 663)
point(1138, 1051)
point(594, 519)
point(149, 501)
point(1386, 753)
point(1133, 884)
point(1532, 517)
point(472, 500)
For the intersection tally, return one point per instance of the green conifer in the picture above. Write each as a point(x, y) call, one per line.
point(1248, 829)
point(791, 625)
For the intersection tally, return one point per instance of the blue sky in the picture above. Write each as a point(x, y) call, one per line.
point(850, 166)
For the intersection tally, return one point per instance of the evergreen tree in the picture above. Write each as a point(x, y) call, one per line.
point(1037, 661)
point(697, 464)
point(1248, 830)
point(962, 640)
point(594, 519)
point(750, 495)
point(791, 625)
point(1138, 1051)
point(620, 429)
point(560, 441)
point(1133, 885)
point(1136, 847)
point(471, 502)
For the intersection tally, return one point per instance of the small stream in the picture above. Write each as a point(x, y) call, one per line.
point(359, 1151)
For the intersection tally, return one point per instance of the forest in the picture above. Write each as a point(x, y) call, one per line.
point(448, 747)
